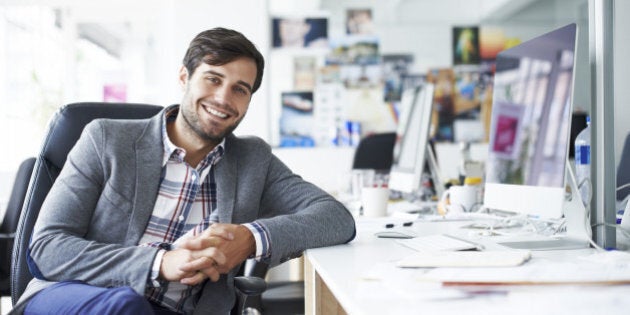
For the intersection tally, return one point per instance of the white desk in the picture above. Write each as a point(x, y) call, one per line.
point(360, 278)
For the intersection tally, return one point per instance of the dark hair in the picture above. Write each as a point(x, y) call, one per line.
point(219, 46)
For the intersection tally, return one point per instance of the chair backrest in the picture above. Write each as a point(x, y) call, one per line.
point(16, 199)
point(375, 151)
point(64, 130)
point(10, 220)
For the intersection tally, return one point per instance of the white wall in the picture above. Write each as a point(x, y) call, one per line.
point(186, 19)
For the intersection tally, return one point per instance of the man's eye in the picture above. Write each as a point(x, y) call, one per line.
point(241, 90)
point(213, 79)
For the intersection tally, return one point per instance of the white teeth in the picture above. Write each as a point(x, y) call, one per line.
point(216, 113)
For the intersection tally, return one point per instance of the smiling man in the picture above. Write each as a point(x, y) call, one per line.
point(157, 215)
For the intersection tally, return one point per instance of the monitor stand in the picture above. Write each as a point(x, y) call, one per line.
point(415, 202)
point(577, 222)
point(438, 184)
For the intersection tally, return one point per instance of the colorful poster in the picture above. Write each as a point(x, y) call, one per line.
point(363, 50)
point(443, 102)
point(395, 68)
point(466, 45)
point(304, 73)
point(297, 120)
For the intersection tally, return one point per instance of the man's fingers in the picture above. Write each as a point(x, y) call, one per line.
point(219, 230)
point(199, 243)
point(197, 278)
point(210, 257)
point(211, 273)
point(211, 237)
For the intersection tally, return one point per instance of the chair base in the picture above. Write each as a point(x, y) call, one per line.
point(284, 297)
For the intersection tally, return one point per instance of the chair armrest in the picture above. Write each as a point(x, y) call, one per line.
point(250, 286)
point(7, 236)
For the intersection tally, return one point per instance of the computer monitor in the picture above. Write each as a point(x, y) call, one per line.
point(410, 150)
point(530, 125)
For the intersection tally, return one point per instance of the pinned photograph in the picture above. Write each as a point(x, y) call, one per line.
point(297, 120)
point(359, 22)
point(300, 32)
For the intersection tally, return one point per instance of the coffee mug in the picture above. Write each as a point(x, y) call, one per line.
point(374, 201)
point(460, 198)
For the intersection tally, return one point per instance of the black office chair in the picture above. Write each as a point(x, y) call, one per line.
point(63, 131)
point(280, 297)
point(375, 151)
point(10, 221)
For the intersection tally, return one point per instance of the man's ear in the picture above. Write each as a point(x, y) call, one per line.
point(183, 77)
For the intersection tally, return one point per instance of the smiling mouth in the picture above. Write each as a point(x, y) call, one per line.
point(216, 113)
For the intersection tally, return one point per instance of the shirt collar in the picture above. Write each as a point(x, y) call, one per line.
point(173, 152)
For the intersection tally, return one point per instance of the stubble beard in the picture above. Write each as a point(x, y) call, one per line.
point(192, 120)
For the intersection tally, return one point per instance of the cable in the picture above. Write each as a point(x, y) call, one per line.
point(623, 186)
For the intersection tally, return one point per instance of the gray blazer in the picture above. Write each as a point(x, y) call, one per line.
point(100, 205)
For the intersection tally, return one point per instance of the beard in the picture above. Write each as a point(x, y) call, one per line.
point(214, 135)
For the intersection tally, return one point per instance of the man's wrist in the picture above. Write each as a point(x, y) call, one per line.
point(262, 248)
point(156, 270)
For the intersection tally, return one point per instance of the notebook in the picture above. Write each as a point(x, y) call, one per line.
point(501, 258)
point(439, 242)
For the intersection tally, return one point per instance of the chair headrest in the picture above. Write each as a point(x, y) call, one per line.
point(65, 127)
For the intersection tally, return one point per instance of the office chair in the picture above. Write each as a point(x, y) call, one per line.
point(63, 131)
point(280, 297)
point(10, 221)
point(375, 151)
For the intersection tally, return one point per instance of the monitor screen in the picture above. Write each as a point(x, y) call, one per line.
point(530, 125)
point(412, 139)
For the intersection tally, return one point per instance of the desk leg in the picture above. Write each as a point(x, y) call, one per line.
point(318, 298)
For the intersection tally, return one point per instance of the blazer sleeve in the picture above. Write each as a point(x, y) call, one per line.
point(299, 215)
point(81, 231)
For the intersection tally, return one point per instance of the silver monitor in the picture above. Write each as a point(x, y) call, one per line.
point(410, 150)
point(530, 125)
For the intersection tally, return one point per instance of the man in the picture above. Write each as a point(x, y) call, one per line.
point(131, 226)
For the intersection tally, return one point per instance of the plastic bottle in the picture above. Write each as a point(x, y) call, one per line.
point(477, 184)
point(583, 162)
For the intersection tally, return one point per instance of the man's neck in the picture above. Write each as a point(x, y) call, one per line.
point(196, 150)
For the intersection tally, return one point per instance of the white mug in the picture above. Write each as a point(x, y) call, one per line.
point(460, 198)
point(374, 201)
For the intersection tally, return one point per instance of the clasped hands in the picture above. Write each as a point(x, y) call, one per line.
point(215, 251)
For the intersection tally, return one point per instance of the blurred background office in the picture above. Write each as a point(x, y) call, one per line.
point(55, 52)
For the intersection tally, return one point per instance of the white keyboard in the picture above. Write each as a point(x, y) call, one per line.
point(438, 242)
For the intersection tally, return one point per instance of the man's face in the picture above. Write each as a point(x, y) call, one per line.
point(216, 98)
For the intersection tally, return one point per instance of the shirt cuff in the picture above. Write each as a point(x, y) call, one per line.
point(261, 236)
point(155, 269)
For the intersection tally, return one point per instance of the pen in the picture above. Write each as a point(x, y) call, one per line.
point(477, 245)
point(391, 225)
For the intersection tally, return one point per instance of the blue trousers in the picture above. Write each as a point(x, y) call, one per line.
point(75, 297)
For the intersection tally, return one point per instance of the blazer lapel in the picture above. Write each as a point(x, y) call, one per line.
point(149, 152)
point(225, 176)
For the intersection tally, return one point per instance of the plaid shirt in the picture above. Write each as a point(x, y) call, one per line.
point(186, 205)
